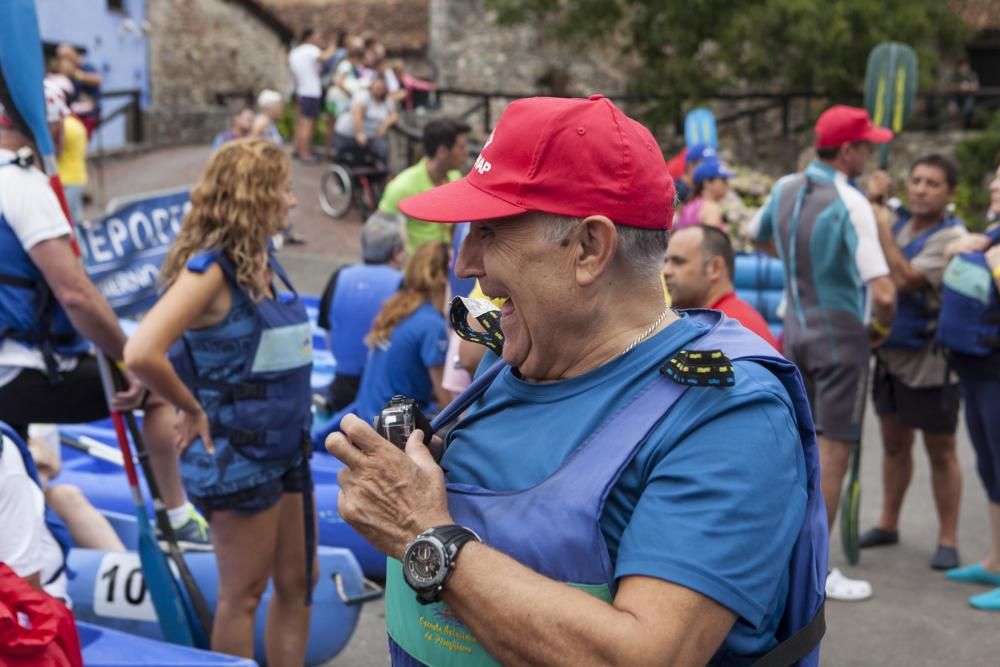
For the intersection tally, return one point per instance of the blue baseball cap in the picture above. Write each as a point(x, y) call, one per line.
point(711, 168)
point(699, 152)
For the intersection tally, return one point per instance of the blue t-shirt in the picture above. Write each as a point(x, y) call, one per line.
point(417, 343)
point(713, 500)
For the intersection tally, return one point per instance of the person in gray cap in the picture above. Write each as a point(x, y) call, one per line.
point(354, 295)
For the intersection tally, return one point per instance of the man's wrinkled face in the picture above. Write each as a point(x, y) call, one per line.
point(927, 191)
point(514, 260)
point(684, 269)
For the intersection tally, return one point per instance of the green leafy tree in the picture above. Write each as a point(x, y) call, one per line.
point(686, 51)
point(977, 158)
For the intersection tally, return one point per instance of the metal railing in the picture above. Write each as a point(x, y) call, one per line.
point(135, 132)
point(933, 110)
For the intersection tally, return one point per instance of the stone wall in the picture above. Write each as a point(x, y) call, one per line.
point(200, 49)
point(471, 52)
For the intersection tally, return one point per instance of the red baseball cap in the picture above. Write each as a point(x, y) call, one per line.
point(571, 157)
point(841, 125)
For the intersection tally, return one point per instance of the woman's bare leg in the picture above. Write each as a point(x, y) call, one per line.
point(288, 616)
point(245, 564)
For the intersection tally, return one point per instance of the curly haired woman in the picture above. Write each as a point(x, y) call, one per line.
point(240, 357)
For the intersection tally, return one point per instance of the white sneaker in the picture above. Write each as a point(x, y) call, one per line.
point(839, 587)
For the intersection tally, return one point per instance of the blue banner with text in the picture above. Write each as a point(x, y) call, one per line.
point(123, 250)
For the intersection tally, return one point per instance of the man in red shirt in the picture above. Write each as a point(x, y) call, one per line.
point(699, 269)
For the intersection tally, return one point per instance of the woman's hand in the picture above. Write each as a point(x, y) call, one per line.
point(193, 425)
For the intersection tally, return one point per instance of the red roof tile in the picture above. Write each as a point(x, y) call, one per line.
point(402, 25)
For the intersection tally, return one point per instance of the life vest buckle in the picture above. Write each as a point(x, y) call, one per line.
point(708, 368)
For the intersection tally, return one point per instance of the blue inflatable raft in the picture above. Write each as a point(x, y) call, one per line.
point(102, 480)
point(103, 647)
point(107, 589)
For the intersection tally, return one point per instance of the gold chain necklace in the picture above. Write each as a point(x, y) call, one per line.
point(650, 330)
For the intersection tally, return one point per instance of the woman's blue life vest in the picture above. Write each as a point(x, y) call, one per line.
point(58, 529)
point(913, 327)
point(969, 322)
point(576, 554)
point(29, 311)
point(348, 307)
point(262, 408)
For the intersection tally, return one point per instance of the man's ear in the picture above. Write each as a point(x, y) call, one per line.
point(596, 241)
point(715, 269)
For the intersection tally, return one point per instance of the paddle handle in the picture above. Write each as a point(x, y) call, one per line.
point(107, 384)
point(93, 448)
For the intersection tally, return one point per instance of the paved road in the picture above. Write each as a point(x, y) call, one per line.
point(916, 618)
point(330, 242)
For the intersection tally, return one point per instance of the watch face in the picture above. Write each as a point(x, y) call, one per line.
point(424, 563)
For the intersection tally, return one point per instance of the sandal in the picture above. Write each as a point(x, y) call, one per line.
point(839, 587)
point(974, 574)
point(878, 537)
point(986, 601)
point(945, 558)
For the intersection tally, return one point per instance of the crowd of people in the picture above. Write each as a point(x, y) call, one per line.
point(593, 483)
point(348, 79)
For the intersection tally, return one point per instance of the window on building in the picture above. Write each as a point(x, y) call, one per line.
point(116, 6)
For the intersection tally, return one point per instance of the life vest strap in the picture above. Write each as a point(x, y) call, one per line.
point(17, 281)
point(799, 645)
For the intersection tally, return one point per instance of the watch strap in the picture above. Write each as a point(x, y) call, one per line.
point(452, 537)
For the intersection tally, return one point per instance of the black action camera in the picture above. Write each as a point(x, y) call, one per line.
point(400, 417)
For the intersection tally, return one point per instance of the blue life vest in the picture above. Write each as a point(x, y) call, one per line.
point(352, 306)
point(29, 311)
point(264, 408)
point(914, 324)
point(969, 322)
point(55, 525)
point(519, 523)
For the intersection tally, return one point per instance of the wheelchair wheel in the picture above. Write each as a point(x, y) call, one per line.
point(335, 191)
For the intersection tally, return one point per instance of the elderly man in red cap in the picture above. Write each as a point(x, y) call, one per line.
point(628, 485)
point(826, 261)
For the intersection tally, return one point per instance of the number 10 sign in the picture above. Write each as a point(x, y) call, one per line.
point(120, 589)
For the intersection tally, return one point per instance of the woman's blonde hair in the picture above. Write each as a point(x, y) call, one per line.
point(238, 205)
point(425, 277)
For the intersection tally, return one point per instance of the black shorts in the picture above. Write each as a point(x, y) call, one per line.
point(309, 106)
point(257, 498)
point(31, 399)
point(930, 409)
